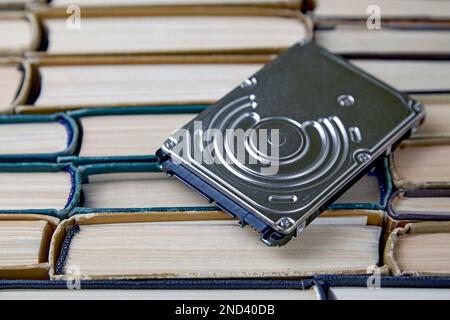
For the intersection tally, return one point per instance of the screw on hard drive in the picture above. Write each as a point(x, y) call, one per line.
point(284, 223)
point(346, 100)
point(364, 157)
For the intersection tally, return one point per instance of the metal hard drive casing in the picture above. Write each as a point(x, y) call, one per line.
point(333, 122)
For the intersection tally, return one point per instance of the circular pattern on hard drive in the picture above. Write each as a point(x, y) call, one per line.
point(278, 152)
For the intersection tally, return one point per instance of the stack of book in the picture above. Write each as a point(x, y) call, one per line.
point(85, 104)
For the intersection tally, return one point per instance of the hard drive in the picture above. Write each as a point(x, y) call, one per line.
point(281, 147)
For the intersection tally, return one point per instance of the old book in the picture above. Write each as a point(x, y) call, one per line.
point(157, 190)
point(151, 189)
point(141, 186)
point(390, 9)
point(34, 190)
point(437, 122)
point(172, 30)
point(131, 135)
point(37, 188)
point(21, 242)
point(160, 294)
point(336, 245)
point(138, 82)
point(365, 190)
point(361, 293)
point(418, 204)
point(25, 241)
point(421, 164)
point(127, 135)
point(97, 4)
point(138, 190)
point(173, 34)
point(410, 75)
point(371, 191)
point(353, 40)
point(17, 33)
point(419, 249)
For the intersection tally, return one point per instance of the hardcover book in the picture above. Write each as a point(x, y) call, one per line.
point(17, 33)
point(165, 30)
point(37, 138)
point(25, 241)
point(97, 245)
point(17, 4)
point(38, 188)
point(126, 134)
point(392, 40)
point(44, 86)
point(384, 287)
point(154, 289)
point(406, 206)
point(11, 78)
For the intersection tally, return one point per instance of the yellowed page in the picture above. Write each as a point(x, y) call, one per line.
point(10, 80)
point(410, 75)
point(34, 190)
point(118, 3)
point(345, 39)
point(437, 121)
point(29, 138)
point(15, 34)
point(423, 164)
point(130, 191)
point(423, 253)
point(20, 242)
point(389, 8)
point(175, 34)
